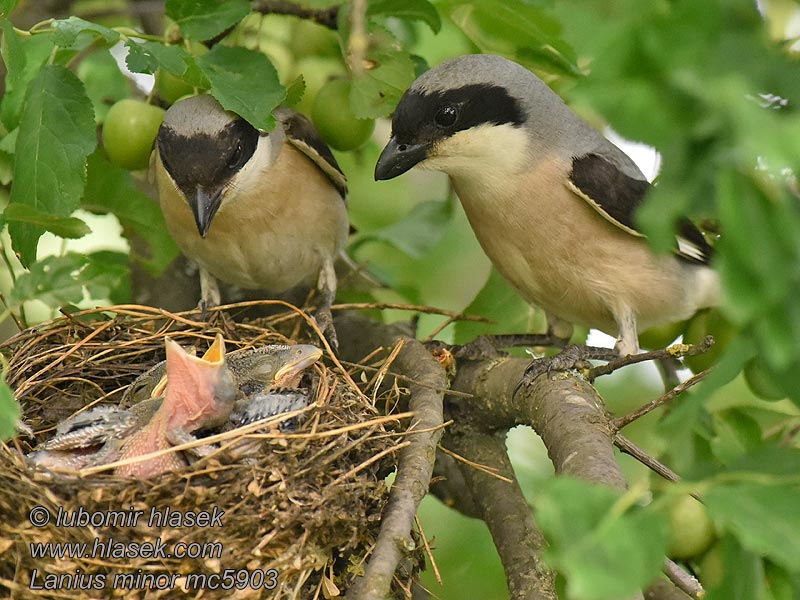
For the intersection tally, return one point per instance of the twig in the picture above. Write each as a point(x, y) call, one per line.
point(17, 322)
point(674, 351)
point(358, 41)
point(660, 401)
point(490, 471)
point(683, 580)
point(449, 486)
point(631, 449)
point(327, 17)
point(489, 346)
point(428, 550)
point(429, 310)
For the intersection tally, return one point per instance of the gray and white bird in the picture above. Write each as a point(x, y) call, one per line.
point(254, 209)
point(551, 201)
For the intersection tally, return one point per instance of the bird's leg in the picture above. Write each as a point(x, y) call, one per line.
point(628, 340)
point(209, 293)
point(326, 285)
point(210, 297)
point(571, 357)
point(490, 346)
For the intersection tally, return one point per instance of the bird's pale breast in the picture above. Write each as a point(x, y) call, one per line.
point(273, 237)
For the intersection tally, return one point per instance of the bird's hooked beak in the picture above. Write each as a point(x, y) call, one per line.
point(398, 158)
point(204, 204)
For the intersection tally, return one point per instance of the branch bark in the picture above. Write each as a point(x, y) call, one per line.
point(326, 16)
point(566, 412)
point(503, 507)
point(415, 464)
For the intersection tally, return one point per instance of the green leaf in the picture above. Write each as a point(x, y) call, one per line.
point(295, 91)
point(24, 59)
point(204, 19)
point(244, 82)
point(388, 71)
point(6, 6)
point(420, 10)
point(104, 82)
point(736, 434)
point(7, 145)
point(147, 57)
point(65, 227)
point(67, 31)
point(500, 302)
point(516, 29)
point(743, 573)
point(110, 189)
point(765, 518)
point(784, 585)
point(59, 280)
point(377, 90)
point(10, 412)
point(108, 276)
point(417, 232)
point(56, 133)
point(769, 460)
point(604, 552)
point(9, 142)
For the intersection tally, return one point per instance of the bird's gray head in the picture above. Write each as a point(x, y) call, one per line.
point(447, 111)
point(204, 148)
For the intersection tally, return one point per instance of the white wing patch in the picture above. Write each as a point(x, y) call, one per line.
point(595, 205)
point(690, 250)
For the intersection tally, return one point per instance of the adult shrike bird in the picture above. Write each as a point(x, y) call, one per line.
point(251, 208)
point(550, 199)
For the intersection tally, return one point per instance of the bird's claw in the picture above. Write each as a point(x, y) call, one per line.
point(571, 357)
point(203, 307)
point(324, 320)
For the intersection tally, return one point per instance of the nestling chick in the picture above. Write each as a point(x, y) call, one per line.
point(550, 199)
point(264, 378)
point(253, 209)
point(257, 369)
point(200, 393)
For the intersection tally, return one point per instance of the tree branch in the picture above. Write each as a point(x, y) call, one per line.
point(327, 16)
point(415, 464)
point(661, 400)
point(506, 512)
point(450, 486)
point(565, 411)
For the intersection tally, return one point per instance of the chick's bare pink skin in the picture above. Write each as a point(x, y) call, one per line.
point(200, 393)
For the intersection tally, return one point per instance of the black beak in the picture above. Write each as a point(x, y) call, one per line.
point(204, 204)
point(396, 159)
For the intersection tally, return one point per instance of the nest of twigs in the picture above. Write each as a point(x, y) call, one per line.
point(298, 521)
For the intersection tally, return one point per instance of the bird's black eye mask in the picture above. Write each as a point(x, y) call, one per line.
point(423, 117)
point(204, 159)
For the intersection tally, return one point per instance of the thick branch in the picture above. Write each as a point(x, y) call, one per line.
point(504, 509)
point(566, 412)
point(415, 464)
point(450, 487)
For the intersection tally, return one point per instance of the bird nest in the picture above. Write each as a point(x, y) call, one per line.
point(298, 520)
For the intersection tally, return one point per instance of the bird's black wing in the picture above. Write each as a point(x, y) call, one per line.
point(616, 196)
point(302, 135)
